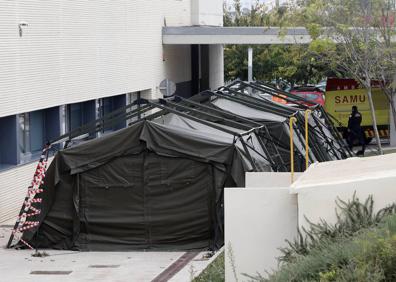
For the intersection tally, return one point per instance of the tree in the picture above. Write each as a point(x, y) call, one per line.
point(293, 63)
point(362, 51)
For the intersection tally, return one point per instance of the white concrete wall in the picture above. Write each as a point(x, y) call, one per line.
point(269, 179)
point(257, 222)
point(175, 12)
point(216, 66)
point(207, 12)
point(13, 188)
point(318, 202)
point(74, 51)
point(177, 62)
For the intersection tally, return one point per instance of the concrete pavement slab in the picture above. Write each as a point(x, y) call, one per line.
point(68, 266)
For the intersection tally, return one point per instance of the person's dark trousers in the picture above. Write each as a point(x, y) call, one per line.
point(359, 135)
point(351, 138)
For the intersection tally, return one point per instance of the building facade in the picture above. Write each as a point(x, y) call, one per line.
point(66, 63)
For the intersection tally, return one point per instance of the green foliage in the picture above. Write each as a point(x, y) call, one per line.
point(361, 246)
point(294, 63)
point(353, 217)
point(214, 272)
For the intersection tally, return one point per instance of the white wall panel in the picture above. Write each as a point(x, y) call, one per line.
point(8, 54)
point(177, 62)
point(311, 201)
point(269, 179)
point(74, 51)
point(176, 12)
point(13, 188)
point(207, 12)
point(257, 223)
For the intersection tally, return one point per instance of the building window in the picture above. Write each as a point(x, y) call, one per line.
point(79, 114)
point(8, 142)
point(75, 116)
point(24, 133)
point(35, 129)
point(107, 106)
point(31, 134)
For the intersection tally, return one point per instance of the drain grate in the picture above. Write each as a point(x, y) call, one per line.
point(104, 266)
point(50, 272)
point(175, 267)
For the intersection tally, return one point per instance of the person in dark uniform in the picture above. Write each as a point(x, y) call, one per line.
point(355, 131)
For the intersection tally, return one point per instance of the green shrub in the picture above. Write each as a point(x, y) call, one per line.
point(214, 272)
point(353, 216)
point(361, 246)
point(368, 256)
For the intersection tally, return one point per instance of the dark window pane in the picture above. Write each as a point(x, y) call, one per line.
point(75, 119)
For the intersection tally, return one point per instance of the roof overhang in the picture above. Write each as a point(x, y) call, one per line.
point(234, 35)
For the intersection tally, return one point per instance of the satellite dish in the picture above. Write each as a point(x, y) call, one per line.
point(167, 88)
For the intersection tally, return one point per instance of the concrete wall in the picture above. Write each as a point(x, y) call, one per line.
point(318, 202)
point(269, 179)
point(257, 222)
point(13, 188)
point(83, 50)
point(207, 12)
point(76, 51)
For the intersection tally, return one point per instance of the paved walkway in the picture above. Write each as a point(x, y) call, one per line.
point(59, 266)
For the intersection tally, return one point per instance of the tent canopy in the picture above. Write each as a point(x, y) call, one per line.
point(149, 186)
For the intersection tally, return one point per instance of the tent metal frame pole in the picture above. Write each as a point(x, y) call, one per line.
point(230, 122)
point(100, 125)
point(267, 152)
point(83, 129)
point(318, 125)
point(284, 93)
point(316, 106)
point(314, 142)
point(274, 108)
point(210, 124)
point(328, 118)
point(276, 92)
point(248, 103)
point(274, 147)
point(239, 135)
point(248, 153)
point(258, 127)
point(222, 112)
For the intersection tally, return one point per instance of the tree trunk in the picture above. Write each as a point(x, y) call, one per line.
point(373, 117)
point(392, 104)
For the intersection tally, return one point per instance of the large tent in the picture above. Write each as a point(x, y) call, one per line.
point(158, 184)
point(149, 186)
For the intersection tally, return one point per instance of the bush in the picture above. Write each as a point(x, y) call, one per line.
point(368, 256)
point(214, 272)
point(353, 217)
point(361, 246)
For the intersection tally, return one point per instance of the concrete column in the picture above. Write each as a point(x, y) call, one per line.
point(216, 66)
point(250, 64)
point(98, 114)
point(63, 119)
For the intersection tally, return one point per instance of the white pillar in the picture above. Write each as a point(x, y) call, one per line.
point(216, 66)
point(250, 64)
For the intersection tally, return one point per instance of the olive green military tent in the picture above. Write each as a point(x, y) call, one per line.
point(149, 186)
